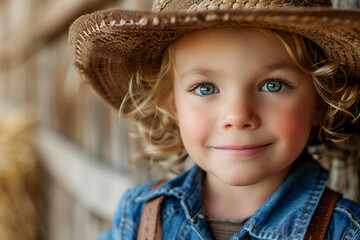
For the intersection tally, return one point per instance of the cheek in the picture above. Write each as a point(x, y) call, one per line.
point(295, 121)
point(194, 122)
point(194, 126)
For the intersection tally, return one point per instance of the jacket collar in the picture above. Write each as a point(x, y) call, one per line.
point(285, 215)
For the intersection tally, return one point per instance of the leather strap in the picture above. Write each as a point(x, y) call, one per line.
point(150, 222)
point(322, 215)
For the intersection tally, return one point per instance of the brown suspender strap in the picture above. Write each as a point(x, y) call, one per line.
point(322, 215)
point(150, 222)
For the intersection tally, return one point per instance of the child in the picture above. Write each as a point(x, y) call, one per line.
point(242, 93)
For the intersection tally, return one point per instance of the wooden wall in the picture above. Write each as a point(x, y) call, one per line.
point(82, 143)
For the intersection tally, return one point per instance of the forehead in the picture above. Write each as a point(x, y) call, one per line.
point(230, 46)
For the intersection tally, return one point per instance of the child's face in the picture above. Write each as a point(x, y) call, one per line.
point(244, 109)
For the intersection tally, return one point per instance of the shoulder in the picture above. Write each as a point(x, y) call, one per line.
point(128, 213)
point(345, 221)
point(127, 216)
point(129, 210)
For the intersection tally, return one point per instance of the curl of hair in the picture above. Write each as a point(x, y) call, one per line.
point(147, 102)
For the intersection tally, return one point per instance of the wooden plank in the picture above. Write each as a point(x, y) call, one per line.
point(96, 186)
point(345, 3)
point(68, 219)
point(54, 19)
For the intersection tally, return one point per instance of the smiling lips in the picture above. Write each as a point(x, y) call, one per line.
point(242, 151)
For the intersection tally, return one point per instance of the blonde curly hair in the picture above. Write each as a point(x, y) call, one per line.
point(150, 93)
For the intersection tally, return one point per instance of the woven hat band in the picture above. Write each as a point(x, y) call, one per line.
point(200, 5)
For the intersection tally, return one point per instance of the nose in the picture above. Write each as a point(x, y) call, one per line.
point(241, 113)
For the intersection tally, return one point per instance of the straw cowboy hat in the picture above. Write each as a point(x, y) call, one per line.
point(108, 46)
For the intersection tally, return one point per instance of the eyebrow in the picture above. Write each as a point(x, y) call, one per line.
point(280, 65)
point(200, 71)
point(266, 68)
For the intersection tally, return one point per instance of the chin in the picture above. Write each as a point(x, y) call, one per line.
point(241, 180)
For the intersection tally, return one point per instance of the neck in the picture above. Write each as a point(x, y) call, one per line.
point(224, 201)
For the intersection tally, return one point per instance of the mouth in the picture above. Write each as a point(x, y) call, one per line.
point(242, 151)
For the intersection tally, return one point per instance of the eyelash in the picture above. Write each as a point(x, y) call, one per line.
point(284, 81)
point(198, 84)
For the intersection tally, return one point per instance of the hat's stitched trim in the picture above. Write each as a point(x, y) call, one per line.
point(235, 4)
point(144, 21)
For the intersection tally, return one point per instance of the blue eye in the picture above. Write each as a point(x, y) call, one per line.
point(272, 86)
point(206, 89)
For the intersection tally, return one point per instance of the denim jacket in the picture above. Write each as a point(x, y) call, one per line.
point(285, 215)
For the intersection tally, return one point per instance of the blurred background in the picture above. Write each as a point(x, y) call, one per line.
point(64, 155)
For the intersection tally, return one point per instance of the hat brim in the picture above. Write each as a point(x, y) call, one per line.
point(110, 45)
